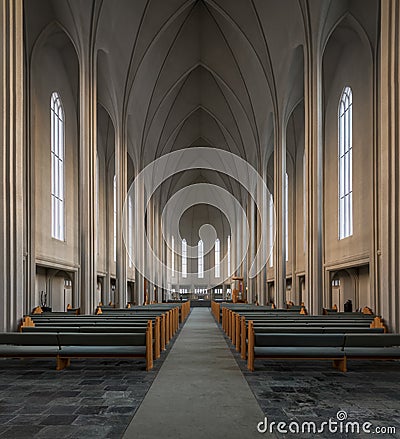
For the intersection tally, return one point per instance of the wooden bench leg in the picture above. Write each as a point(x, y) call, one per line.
point(343, 365)
point(62, 363)
point(340, 365)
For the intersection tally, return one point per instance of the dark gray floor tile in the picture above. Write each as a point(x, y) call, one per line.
point(58, 420)
point(62, 409)
point(121, 409)
point(9, 409)
point(4, 419)
point(91, 410)
point(40, 402)
point(25, 420)
point(21, 432)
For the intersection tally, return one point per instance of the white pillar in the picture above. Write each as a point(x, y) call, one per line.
point(11, 166)
point(252, 282)
point(87, 183)
point(314, 176)
point(139, 242)
point(262, 233)
point(279, 201)
point(389, 253)
point(121, 156)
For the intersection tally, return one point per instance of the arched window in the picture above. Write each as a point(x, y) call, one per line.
point(229, 256)
point(173, 256)
point(270, 228)
point(184, 258)
point(115, 216)
point(217, 258)
point(345, 128)
point(304, 203)
point(200, 259)
point(57, 168)
point(287, 216)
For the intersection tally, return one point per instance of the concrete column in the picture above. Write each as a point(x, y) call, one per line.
point(292, 231)
point(121, 156)
point(109, 250)
point(251, 282)
point(12, 259)
point(237, 247)
point(262, 230)
point(139, 242)
point(314, 176)
point(244, 246)
point(279, 201)
point(150, 238)
point(159, 243)
point(389, 253)
point(87, 183)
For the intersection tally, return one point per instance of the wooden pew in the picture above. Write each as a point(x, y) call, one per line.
point(97, 345)
point(296, 347)
point(100, 325)
point(309, 324)
point(372, 347)
point(64, 346)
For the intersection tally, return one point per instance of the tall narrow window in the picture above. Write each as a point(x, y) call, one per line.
point(115, 216)
point(229, 256)
point(217, 258)
point(57, 168)
point(173, 256)
point(270, 228)
point(130, 229)
point(200, 259)
point(345, 128)
point(304, 203)
point(184, 258)
point(98, 202)
point(287, 216)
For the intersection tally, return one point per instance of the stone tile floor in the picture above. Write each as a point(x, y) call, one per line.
point(90, 399)
point(313, 391)
point(98, 398)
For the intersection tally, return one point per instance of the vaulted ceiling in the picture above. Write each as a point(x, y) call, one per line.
point(179, 73)
point(197, 72)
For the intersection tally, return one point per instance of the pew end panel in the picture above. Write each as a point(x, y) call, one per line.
point(250, 351)
point(243, 337)
point(149, 346)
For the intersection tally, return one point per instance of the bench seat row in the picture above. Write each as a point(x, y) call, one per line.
point(235, 324)
point(66, 346)
point(165, 324)
point(126, 334)
point(335, 347)
point(182, 307)
point(257, 334)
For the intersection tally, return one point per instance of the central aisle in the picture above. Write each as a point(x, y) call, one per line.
point(199, 391)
